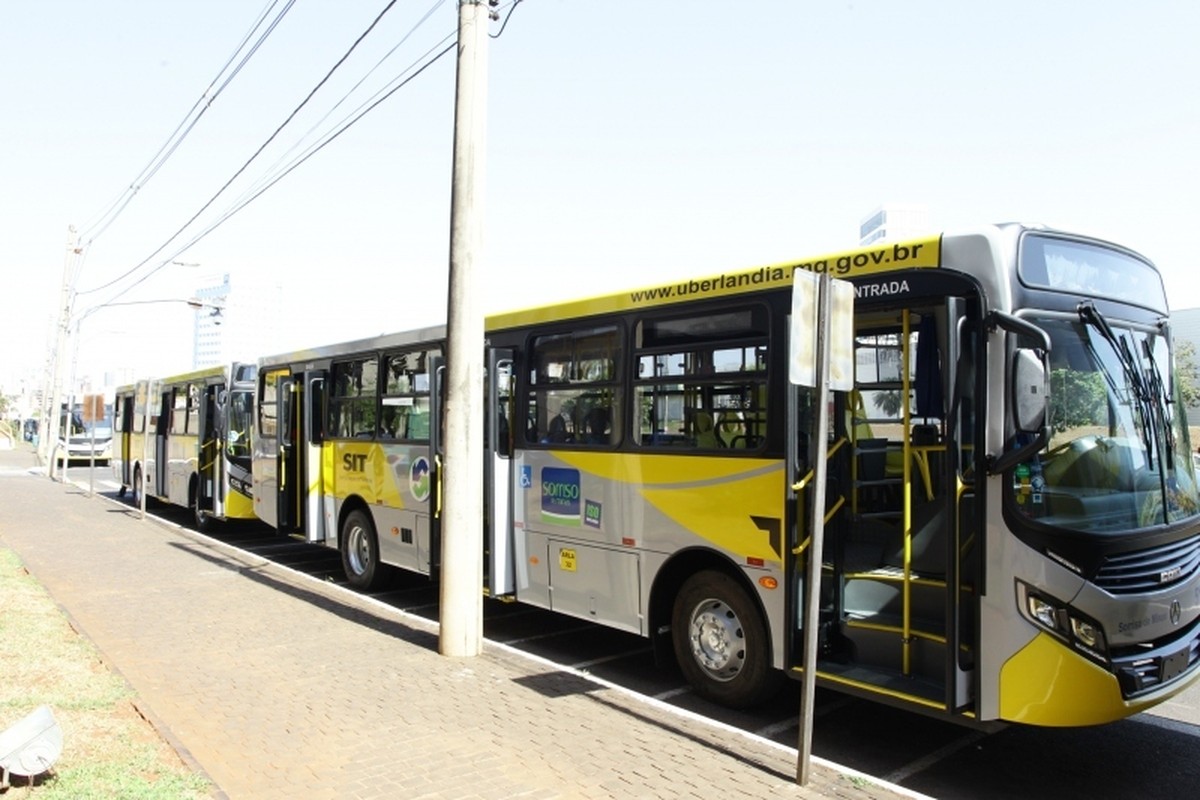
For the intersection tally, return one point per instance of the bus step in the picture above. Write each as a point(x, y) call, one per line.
point(879, 645)
point(865, 678)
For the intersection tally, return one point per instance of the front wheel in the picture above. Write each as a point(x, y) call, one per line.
point(200, 518)
point(721, 641)
point(360, 552)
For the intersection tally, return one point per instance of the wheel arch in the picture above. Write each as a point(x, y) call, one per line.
point(352, 503)
point(669, 581)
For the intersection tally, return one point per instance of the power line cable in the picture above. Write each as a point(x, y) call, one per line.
point(511, 8)
point(266, 176)
point(251, 160)
point(247, 163)
point(309, 154)
point(188, 122)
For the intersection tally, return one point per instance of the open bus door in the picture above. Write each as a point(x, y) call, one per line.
point(498, 556)
point(208, 467)
point(318, 510)
point(290, 496)
point(900, 571)
point(437, 423)
point(161, 432)
point(128, 416)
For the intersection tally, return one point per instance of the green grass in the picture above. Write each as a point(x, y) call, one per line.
point(109, 750)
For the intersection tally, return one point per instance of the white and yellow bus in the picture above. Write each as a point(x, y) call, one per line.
point(1013, 522)
point(198, 452)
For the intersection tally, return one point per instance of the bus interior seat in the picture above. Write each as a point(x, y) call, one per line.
point(704, 432)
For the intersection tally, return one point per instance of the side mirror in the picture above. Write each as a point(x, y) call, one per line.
point(1030, 395)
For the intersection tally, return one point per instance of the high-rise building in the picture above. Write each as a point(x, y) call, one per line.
point(233, 325)
point(893, 221)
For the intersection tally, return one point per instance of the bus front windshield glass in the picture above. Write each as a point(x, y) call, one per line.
point(1119, 457)
point(241, 413)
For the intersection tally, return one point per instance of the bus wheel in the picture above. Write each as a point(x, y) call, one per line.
point(721, 642)
point(360, 551)
point(202, 520)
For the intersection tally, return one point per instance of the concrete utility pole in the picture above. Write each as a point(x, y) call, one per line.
point(50, 403)
point(462, 515)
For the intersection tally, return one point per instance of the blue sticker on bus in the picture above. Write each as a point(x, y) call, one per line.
point(560, 496)
point(526, 477)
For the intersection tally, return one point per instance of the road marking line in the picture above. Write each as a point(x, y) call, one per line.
point(922, 764)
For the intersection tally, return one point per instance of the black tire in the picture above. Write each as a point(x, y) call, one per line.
point(721, 642)
point(360, 552)
point(200, 518)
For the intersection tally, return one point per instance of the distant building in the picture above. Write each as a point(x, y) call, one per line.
point(893, 221)
point(241, 324)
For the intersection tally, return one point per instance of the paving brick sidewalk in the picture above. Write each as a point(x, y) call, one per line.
point(279, 686)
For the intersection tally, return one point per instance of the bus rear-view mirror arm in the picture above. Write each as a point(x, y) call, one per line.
point(1030, 399)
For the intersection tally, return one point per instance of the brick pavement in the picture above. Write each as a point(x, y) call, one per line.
point(279, 686)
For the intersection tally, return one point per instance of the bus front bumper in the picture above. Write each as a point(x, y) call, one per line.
point(1046, 683)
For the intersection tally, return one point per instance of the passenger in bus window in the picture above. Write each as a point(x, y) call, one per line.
point(562, 426)
point(596, 426)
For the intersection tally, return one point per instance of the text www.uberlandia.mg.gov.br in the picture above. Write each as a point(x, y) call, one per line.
point(894, 256)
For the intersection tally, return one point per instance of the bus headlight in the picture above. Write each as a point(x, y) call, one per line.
point(1086, 632)
point(1043, 612)
point(1064, 622)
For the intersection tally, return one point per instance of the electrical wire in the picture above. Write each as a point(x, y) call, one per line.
point(94, 229)
point(309, 154)
point(248, 161)
point(416, 69)
point(267, 176)
point(511, 8)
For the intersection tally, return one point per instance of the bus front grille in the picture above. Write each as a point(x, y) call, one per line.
point(1147, 570)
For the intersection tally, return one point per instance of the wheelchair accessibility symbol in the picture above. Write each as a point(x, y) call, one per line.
point(526, 477)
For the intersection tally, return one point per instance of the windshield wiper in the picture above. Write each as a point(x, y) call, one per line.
point(1090, 315)
point(1161, 397)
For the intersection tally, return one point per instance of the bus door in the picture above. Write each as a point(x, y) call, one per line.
point(161, 432)
point(208, 467)
point(498, 551)
point(289, 509)
point(437, 422)
point(897, 599)
point(127, 409)
point(319, 509)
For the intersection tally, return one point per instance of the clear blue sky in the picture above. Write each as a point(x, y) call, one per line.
point(629, 142)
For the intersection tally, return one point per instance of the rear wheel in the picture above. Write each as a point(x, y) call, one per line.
point(360, 552)
point(721, 641)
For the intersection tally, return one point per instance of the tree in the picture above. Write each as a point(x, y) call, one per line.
point(1187, 374)
point(1077, 399)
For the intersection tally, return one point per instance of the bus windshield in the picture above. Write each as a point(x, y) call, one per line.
point(1119, 456)
point(240, 418)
